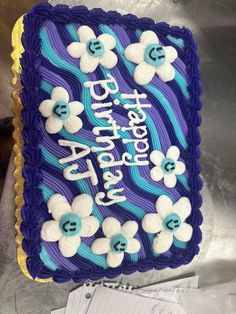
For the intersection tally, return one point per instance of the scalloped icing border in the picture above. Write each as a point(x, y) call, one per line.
point(18, 160)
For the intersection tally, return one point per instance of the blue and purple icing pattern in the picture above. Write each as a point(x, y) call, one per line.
point(172, 120)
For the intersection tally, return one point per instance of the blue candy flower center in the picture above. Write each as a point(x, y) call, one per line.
point(172, 222)
point(61, 110)
point(70, 224)
point(95, 47)
point(118, 243)
point(168, 165)
point(155, 55)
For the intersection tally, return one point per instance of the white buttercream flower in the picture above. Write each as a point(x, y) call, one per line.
point(167, 167)
point(93, 50)
point(71, 222)
point(169, 223)
point(151, 58)
point(119, 239)
point(60, 112)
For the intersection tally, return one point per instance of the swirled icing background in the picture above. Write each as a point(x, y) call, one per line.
point(168, 123)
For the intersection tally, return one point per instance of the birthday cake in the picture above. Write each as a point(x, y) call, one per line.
point(107, 172)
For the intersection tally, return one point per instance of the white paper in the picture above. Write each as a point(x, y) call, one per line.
point(107, 301)
point(188, 282)
point(177, 296)
point(79, 300)
point(205, 303)
point(170, 291)
point(174, 295)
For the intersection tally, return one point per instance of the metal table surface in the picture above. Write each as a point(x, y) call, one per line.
point(214, 26)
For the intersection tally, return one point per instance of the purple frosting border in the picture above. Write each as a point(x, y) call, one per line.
point(31, 96)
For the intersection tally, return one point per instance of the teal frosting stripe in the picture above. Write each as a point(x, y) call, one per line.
point(46, 87)
point(133, 257)
point(177, 41)
point(47, 193)
point(134, 209)
point(137, 211)
point(151, 239)
point(46, 259)
point(179, 244)
point(182, 84)
point(71, 29)
point(184, 182)
point(86, 252)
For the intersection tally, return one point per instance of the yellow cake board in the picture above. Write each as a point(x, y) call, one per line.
point(17, 148)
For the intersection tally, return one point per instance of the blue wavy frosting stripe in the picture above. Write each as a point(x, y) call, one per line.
point(31, 96)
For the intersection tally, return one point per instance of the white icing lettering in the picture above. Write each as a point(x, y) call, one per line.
point(135, 129)
point(101, 105)
point(116, 102)
point(134, 117)
point(137, 97)
point(105, 114)
point(111, 162)
point(114, 198)
point(73, 145)
point(114, 128)
point(136, 144)
point(137, 160)
point(111, 178)
point(104, 85)
point(81, 175)
point(104, 139)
